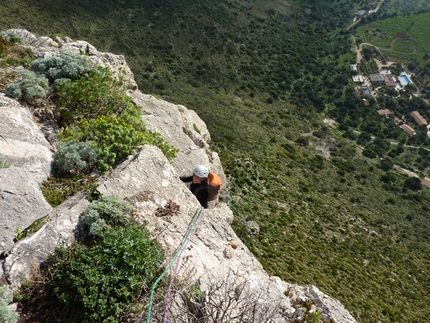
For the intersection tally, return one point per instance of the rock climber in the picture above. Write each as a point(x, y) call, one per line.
point(205, 185)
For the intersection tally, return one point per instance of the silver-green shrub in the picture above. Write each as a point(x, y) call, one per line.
point(65, 66)
point(12, 38)
point(30, 87)
point(75, 158)
point(6, 314)
point(105, 212)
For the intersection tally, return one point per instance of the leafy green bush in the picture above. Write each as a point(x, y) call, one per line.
point(303, 140)
point(91, 96)
point(75, 158)
point(96, 108)
point(98, 281)
point(112, 137)
point(6, 297)
point(168, 150)
point(413, 183)
point(105, 212)
point(67, 65)
point(31, 88)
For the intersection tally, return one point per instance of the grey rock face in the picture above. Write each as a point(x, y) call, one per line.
point(30, 156)
point(21, 203)
point(27, 255)
point(183, 129)
point(213, 254)
point(23, 144)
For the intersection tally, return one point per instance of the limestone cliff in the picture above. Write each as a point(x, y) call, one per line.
point(148, 181)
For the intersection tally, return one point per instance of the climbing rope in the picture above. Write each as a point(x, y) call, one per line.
point(178, 252)
point(175, 272)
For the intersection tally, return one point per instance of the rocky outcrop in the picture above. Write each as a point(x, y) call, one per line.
point(183, 129)
point(43, 47)
point(150, 183)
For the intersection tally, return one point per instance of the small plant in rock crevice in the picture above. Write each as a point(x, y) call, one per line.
point(3, 162)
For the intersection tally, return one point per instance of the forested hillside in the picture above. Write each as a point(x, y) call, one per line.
point(333, 208)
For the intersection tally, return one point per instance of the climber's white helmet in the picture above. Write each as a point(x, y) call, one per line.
point(201, 171)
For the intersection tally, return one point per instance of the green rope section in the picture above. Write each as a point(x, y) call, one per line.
point(172, 261)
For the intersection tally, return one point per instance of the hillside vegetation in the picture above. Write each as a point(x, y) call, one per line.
point(332, 208)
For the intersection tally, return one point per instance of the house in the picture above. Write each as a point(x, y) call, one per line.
point(426, 182)
point(360, 13)
point(409, 130)
point(384, 112)
point(390, 80)
point(353, 67)
point(357, 79)
point(418, 118)
point(365, 92)
point(376, 78)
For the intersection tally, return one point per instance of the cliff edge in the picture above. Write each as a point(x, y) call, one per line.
point(149, 182)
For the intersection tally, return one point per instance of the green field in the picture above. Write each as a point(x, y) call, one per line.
point(402, 7)
point(402, 36)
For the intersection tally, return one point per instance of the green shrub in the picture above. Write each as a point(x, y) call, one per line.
point(31, 88)
point(12, 51)
point(6, 297)
point(91, 96)
point(168, 150)
point(67, 65)
point(74, 158)
point(98, 281)
point(303, 140)
point(413, 183)
point(3, 162)
point(112, 137)
point(105, 212)
point(96, 108)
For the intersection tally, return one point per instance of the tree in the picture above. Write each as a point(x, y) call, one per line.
point(386, 164)
point(413, 183)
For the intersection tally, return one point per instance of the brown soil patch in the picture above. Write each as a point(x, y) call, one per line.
point(402, 36)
